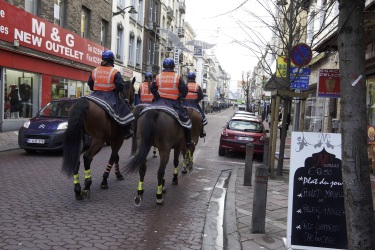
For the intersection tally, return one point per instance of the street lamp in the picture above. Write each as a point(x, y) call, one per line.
point(131, 11)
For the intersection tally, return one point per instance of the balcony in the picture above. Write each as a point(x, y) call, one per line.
point(170, 13)
point(181, 32)
point(182, 7)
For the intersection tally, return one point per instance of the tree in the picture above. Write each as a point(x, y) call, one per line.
point(359, 209)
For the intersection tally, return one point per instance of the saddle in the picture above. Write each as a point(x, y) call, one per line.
point(169, 111)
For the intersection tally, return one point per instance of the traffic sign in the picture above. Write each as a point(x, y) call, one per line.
point(301, 54)
point(299, 82)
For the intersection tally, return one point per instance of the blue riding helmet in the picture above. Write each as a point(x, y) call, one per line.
point(168, 63)
point(148, 75)
point(191, 76)
point(108, 55)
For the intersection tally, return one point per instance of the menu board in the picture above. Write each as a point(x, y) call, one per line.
point(316, 211)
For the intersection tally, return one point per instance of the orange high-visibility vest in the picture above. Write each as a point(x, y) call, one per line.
point(193, 91)
point(104, 78)
point(146, 95)
point(167, 83)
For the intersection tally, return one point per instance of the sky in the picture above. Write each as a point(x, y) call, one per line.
point(217, 22)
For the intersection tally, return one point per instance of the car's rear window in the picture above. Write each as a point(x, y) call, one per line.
point(243, 125)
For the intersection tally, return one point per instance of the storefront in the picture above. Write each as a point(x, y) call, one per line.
point(39, 62)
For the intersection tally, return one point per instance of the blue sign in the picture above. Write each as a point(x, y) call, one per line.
point(299, 82)
point(300, 71)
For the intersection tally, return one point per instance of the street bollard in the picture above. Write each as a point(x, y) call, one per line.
point(248, 165)
point(265, 151)
point(258, 220)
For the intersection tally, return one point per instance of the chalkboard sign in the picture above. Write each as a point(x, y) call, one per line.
point(316, 212)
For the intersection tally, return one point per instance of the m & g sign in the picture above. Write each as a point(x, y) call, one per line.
point(19, 26)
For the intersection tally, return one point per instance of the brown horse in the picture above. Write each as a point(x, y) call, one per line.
point(196, 127)
point(85, 116)
point(159, 129)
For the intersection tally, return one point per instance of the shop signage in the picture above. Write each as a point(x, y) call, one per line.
point(24, 29)
point(329, 83)
point(316, 210)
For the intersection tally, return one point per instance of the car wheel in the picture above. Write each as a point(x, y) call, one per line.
point(221, 152)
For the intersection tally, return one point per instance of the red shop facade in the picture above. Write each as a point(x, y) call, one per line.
point(39, 62)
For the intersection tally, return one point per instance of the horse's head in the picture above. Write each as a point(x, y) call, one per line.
point(129, 91)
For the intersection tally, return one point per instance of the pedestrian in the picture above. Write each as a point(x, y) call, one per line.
point(107, 83)
point(281, 117)
point(168, 89)
point(194, 96)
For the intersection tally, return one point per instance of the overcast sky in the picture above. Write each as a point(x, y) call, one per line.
point(216, 21)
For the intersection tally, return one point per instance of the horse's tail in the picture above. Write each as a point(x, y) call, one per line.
point(73, 136)
point(147, 136)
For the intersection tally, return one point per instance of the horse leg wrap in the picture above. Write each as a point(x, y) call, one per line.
point(88, 180)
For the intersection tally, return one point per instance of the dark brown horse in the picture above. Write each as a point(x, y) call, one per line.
point(159, 129)
point(85, 116)
point(196, 127)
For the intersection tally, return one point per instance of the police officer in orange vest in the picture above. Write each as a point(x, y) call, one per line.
point(194, 96)
point(168, 89)
point(144, 89)
point(107, 82)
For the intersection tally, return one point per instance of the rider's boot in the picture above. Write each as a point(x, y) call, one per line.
point(128, 132)
point(203, 133)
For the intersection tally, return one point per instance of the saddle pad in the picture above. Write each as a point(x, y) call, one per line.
point(169, 111)
point(189, 105)
point(104, 105)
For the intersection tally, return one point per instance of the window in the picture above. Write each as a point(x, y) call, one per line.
point(103, 33)
point(131, 49)
point(140, 11)
point(58, 13)
point(32, 6)
point(85, 22)
point(139, 51)
point(62, 87)
point(120, 42)
point(121, 4)
point(21, 92)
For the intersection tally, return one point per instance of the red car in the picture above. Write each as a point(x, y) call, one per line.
point(240, 131)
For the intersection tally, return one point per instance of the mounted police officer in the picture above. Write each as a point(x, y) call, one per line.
point(194, 96)
point(168, 89)
point(106, 82)
point(144, 89)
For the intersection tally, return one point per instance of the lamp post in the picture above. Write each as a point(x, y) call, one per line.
point(131, 11)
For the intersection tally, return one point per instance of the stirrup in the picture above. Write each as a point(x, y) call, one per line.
point(203, 134)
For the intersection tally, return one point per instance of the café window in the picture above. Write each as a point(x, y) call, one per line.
point(20, 94)
point(63, 88)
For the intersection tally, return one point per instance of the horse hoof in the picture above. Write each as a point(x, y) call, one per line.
point(85, 194)
point(79, 197)
point(104, 186)
point(159, 202)
point(137, 201)
point(120, 177)
point(184, 171)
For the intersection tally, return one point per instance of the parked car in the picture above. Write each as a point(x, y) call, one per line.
point(239, 131)
point(242, 107)
point(46, 131)
point(246, 114)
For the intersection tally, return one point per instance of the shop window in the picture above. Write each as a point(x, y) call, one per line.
point(64, 88)
point(371, 101)
point(20, 94)
point(314, 114)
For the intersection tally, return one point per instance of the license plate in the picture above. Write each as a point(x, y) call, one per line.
point(245, 138)
point(37, 141)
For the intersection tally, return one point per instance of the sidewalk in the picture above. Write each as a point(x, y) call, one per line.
point(8, 140)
